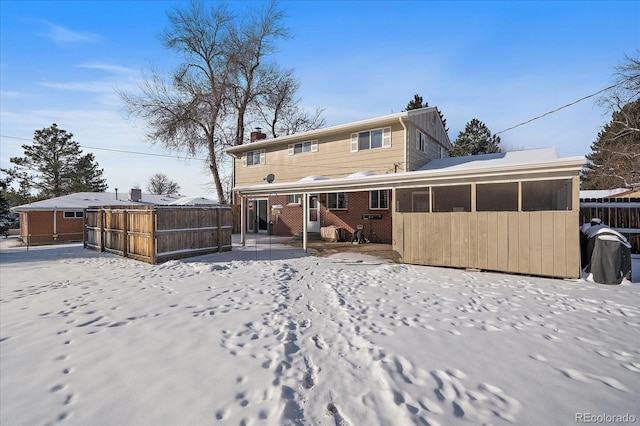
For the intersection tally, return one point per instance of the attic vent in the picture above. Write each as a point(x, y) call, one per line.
point(135, 195)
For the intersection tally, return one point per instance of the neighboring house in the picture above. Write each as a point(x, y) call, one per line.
point(391, 144)
point(61, 219)
point(513, 212)
point(618, 208)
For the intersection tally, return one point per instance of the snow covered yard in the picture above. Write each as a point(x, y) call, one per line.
point(269, 335)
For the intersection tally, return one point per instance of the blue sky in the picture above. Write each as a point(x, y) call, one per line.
point(502, 62)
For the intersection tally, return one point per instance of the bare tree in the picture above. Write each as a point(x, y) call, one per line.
point(203, 105)
point(160, 184)
point(626, 87)
point(253, 42)
point(615, 158)
point(279, 110)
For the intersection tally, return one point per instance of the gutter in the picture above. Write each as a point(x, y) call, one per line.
point(417, 178)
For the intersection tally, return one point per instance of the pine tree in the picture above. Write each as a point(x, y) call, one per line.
point(476, 139)
point(88, 177)
point(615, 158)
point(56, 165)
point(417, 103)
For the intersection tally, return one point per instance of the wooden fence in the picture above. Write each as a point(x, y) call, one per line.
point(155, 234)
point(537, 243)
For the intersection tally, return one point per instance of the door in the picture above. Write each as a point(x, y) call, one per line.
point(313, 213)
point(257, 215)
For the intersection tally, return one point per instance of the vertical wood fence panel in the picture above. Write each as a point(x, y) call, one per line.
point(538, 243)
point(156, 234)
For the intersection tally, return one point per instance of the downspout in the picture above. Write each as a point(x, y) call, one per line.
point(305, 203)
point(243, 219)
point(55, 224)
point(406, 160)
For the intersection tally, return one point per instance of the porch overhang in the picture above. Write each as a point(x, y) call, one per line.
point(548, 169)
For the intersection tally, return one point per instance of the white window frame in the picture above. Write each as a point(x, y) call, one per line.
point(386, 139)
point(259, 154)
point(73, 215)
point(303, 147)
point(294, 198)
point(376, 193)
point(421, 141)
point(337, 201)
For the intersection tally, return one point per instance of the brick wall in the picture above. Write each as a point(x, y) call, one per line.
point(289, 221)
point(40, 226)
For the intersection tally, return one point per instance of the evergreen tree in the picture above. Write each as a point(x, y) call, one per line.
point(88, 177)
point(56, 165)
point(476, 139)
point(417, 103)
point(615, 158)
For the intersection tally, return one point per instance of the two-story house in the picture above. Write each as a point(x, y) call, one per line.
point(390, 144)
point(392, 176)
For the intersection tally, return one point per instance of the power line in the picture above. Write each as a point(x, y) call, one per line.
point(562, 107)
point(119, 150)
point(204, 159)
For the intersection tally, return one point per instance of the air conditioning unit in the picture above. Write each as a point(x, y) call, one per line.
point(135, 195)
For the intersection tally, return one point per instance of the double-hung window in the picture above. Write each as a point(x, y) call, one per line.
point(379, 199)
point(421, 141)
point(371, 139)
point(336, 200)
point(294, 198)
point(253, 158)
point(300, 147)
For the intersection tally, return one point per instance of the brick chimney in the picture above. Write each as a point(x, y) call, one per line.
point(257, 135)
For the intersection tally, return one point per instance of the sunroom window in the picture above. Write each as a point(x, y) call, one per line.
point(546, 195)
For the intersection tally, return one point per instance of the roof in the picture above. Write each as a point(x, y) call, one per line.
point(604, 193)
point(443, 171)
point(83, 200)
point(500, 159)
point(347, 127)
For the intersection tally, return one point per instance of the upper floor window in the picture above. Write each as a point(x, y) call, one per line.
point(421, 141)
point(379, 199)
point(371, 139)
point(336, 200)
point(73, 215)
point(252, 158)
point(300, 147)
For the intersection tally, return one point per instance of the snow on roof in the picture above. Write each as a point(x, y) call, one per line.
point(313, 178)
point(500, 159)
point(193, 201)
point(602, 193)
point(361, 174)
point(82, 200)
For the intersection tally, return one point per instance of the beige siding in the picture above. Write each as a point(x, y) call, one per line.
point(333, 159)
point(539, 243)
point(429, 122)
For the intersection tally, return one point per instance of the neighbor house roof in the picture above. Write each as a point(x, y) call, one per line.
point(606, 193)
point(83, 200)
point(442, 171)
